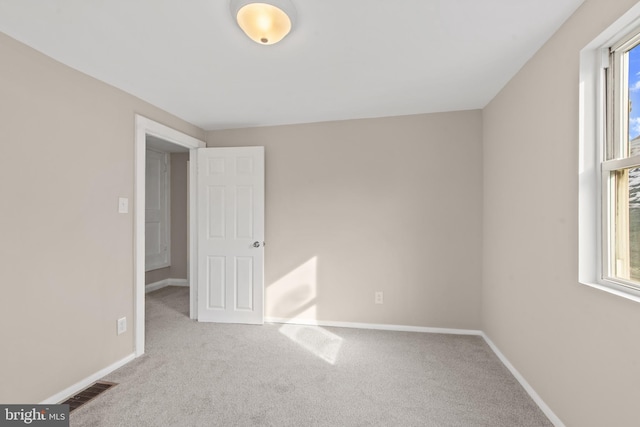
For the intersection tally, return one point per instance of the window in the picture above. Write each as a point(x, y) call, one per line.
point(609, 197)
point(620, 166)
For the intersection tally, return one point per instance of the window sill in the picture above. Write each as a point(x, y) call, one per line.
point(615, 289)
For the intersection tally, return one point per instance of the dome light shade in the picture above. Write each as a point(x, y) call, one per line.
point(266, 22)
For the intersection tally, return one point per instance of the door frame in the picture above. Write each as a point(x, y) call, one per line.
point(144, 127)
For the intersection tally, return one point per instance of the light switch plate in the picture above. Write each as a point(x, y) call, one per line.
point(123, 205)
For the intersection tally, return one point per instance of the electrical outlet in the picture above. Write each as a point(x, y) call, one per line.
point(379, 297)
point(122, 325)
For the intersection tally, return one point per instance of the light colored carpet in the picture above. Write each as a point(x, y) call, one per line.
point(204, 374)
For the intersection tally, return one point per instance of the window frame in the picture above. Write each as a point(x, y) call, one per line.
point(615, 151)
point(597, 161)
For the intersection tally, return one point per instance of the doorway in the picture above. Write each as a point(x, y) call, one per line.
point(165, 139)
point(166, 222)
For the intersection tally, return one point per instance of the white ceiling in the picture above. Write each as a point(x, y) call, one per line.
point(343, 59)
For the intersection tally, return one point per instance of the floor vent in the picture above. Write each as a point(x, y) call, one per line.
point(88, 394)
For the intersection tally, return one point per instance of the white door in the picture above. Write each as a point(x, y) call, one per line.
point(157, 252)
point(230, 234)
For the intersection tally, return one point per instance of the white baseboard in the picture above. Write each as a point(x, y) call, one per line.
point(401, 328)
point(535, 396)
point(164, 283)
point(81, 385)
point(69, 391)
point(376, 326)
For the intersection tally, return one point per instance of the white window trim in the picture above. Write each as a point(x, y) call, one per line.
point(593, 59)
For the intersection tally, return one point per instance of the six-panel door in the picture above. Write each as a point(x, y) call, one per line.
point(231, 234)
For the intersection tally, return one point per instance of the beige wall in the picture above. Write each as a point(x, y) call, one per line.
point(153, 276)
point(578, 347)
point(179, 231)
point(359, 206)
point(179, 223)
point(66, 155)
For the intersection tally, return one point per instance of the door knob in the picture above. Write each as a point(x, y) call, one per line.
point(256, 244)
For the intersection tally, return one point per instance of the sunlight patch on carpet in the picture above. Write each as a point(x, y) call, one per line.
point(317, 340)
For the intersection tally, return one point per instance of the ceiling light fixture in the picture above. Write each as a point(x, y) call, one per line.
point(265, 22)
